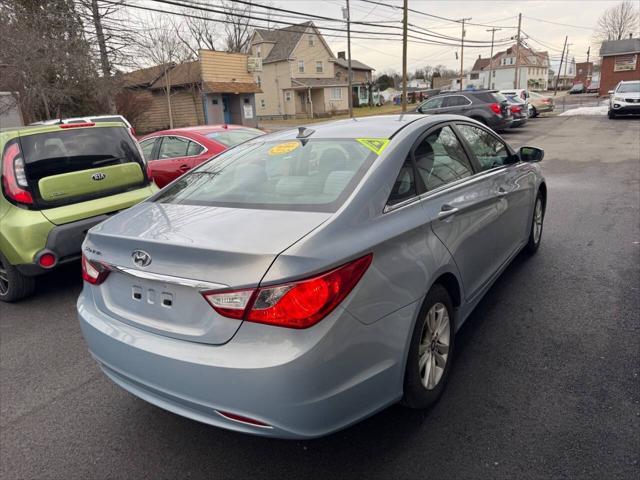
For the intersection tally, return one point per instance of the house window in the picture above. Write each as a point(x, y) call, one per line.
point(287, 96)
point(258, 51)
point(301, 66)
point(474, 76)
point(262, 103)
point(318, 67)
point(336, 93)
point(312, 41)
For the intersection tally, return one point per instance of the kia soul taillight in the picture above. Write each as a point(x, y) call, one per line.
point(14, 178)
point(298, 304)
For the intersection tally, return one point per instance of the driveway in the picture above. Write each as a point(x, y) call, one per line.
point(545, 384)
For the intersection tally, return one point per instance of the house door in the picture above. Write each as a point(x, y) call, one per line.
point(226, 108)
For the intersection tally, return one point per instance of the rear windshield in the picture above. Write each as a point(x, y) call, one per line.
point(75, 149)
point(309, 175)
point(629, 88)
point(231, 138)
point(499, 97)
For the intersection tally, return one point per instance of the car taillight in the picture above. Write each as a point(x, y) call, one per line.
point(546, 100)
point(78, 125)
point(516, 109)
point(14, 177)
point(94, 272)
point(299, 304)
point(495, 108)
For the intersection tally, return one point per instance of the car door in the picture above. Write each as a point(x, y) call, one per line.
point(456, 104)
point(513, 184)
point(459, 204)
point(432, 106)
point(172, 160)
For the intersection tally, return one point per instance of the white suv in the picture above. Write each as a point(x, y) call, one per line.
point(625, 99)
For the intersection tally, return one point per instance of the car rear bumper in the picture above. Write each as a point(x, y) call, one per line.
point(300, 383)
point(500, 123)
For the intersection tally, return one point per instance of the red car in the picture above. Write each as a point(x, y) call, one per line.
point(171, 153)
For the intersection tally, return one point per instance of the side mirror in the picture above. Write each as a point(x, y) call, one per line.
point(610, 92)
point(419, 110)
point(531, 154)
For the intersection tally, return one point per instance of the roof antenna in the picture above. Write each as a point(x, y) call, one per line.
point(304, 132)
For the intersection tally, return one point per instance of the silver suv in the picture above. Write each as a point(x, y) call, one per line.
point(625, 99)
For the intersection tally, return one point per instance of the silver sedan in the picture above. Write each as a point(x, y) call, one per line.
point(307, 279)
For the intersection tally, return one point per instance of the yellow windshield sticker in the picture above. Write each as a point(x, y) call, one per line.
point(283, 148)
point(376, 145)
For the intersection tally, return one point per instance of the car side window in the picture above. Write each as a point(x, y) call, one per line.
point(489, 151)
point(194, 149)
point(147, 148)
point(440, 159)
point(173, 147)
point(405, 184)
point(455, 101)
point(432, 103)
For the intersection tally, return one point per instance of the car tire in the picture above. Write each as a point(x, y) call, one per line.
point(14, 285)
point(433, 333)
point(534, 112)
point(611, 114)
point(537, 224)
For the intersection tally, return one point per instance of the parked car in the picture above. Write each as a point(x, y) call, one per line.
point(540, 103)
point(518, 92)
point(594, 86)
point(57, 182)
point(89, 119)
point(625, 99)
point(486, 106)
point(577, 88)
point(519, 110)
point(307, 279)
point(171, 153)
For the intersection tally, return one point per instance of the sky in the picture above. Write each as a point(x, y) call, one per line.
point(541, 27)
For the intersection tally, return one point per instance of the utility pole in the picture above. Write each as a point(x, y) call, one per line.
point(462, 53)
point(588, 68)
point(349, 90)
point(493, 32)
point(555, 89)
point(404, 55)
point(517, 79)
point(565, 63)
point(104, 57)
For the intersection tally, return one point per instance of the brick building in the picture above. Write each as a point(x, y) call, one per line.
point(619, 62)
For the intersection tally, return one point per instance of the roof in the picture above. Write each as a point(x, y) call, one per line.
point(145, 76)
point(379, 126)
point(285, 40)
point(316, 82)
point(355, 64)
point(480, 64)
point(620, 47)
point(231, 87)
point(182, 74)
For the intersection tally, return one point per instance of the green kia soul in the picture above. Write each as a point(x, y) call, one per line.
point(57, 182)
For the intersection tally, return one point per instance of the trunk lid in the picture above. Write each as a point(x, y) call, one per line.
point(68, 166)
point(192, 249)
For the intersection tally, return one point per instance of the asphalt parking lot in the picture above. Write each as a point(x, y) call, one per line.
point(545, 384)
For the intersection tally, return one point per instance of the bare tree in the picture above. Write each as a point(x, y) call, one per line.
point(197, 33)
point(45, 58)
point(237, 28)
point(619, 21)
point(158, 45)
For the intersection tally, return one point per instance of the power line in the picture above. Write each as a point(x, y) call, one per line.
point(558, 23)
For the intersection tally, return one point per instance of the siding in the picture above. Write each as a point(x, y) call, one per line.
point(224, 67)
point(186, 107)
point(609, 79)
point(310, 55)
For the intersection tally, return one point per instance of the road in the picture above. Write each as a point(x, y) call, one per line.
point(545, 383)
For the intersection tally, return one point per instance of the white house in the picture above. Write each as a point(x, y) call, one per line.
point(499, 72)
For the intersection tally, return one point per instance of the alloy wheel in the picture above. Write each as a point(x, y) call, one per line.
point(434, 346)
point(537, 221)
point(4, 280)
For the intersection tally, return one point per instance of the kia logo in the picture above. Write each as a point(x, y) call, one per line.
point(140, 258)
point(98, 176)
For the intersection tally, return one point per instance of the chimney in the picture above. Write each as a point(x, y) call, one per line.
point(342, 55)
point(631, 35)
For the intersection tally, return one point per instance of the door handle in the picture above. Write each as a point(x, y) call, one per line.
point(183, 168)
point(446, 211)
point(502, 192)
